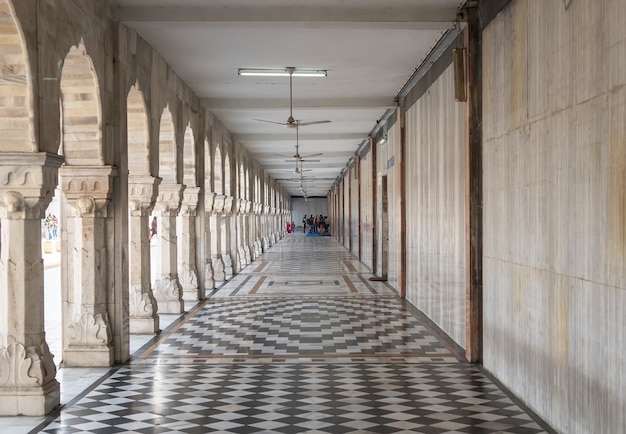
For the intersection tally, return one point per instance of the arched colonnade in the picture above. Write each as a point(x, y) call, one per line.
point(95, 115)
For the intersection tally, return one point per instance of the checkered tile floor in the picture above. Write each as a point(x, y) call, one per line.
point(283, 348)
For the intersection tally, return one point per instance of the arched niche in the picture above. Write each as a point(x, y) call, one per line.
point(16, 97)
point(189, 158)
point(167, 148)
point(227, 190)
point(81, 119)
point(137, 133)
point(218, 185)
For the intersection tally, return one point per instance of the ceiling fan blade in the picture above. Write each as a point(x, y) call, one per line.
point(269, 122)
point(309, 161)
point(312, 155)
point(304, 124)
point(285, 156)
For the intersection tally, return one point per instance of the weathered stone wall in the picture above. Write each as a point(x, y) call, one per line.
point(554, 159)
point(435, 206)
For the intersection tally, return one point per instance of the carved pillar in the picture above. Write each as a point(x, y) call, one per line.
point(229, 241)
point(209, 278)
point(142, 307)
point(167, 289)
point(88, 335)
point(187, 271)
point(216, 238)
point(27, 370)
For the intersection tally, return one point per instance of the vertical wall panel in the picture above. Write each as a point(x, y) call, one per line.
point(367, 219)
point(554, 157)
point(435, 190)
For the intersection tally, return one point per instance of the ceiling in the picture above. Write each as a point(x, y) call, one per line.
point(370, 49)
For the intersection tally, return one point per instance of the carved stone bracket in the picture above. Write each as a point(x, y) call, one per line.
point(142, 194)
point(87, 188)
point(228, 204)
point(169, 199)
point(189, 204)
point(27, 183)
point(219, 200)
point(266, 209)
point(247, 207)
point(209, 198)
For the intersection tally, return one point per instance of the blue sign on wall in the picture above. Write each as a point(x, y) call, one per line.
point(391, 162)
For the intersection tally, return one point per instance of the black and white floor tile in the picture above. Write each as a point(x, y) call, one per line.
point(301, 341)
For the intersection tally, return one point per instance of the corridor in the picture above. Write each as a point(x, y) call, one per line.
point(299, 341)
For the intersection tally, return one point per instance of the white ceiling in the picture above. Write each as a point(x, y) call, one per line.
point(369, 47)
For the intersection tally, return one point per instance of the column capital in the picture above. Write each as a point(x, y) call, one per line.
point(169, 199)
point(219, 200)
point(88, 188)
point(209, 199)
point(190, 200)
point(27, 183)
point(228, 204)
point(142, 194)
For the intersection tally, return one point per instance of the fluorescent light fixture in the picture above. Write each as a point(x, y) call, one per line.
point(282, 72)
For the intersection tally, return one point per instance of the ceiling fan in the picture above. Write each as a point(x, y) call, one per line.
point(299, 157)
point(291, 122)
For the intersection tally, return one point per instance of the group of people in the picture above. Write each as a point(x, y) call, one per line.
point(317, 224)
point(52, 226)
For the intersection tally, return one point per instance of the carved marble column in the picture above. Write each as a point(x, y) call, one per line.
point(167, 289)
point(27, 370)
point(209, 279)
point(219, 273)
point(142, 309)
point(187, 271)
point(229, 244)
point(88, 335)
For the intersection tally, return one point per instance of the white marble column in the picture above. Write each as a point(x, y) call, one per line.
point(229, 240)
point(88, 335)
point(142, 309)
point(187, 270)
point(27, 369)
point(209, 274)
point(167, 289)
point(219, 272)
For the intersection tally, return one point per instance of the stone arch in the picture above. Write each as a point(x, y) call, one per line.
point(138, 133)
point(241, 181)
point(81, 113)
point(189, 158)
point(167, 148)
point(227, 190)
point(16, 93)
point(218, 185)
point(208, 166)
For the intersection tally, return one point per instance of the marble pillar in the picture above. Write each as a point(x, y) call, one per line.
point(27, 369)
point(209, 275)
point(187, 271)
point(88, 335)
point(143, 317)
point(219, 273)
point(167, 289)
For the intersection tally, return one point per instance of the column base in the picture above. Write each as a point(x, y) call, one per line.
point(171, 306)
point(192, 294)
point(88, 356)
point(30, 401)
point(144, 326)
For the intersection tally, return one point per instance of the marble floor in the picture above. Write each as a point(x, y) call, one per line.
point(301, 341)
